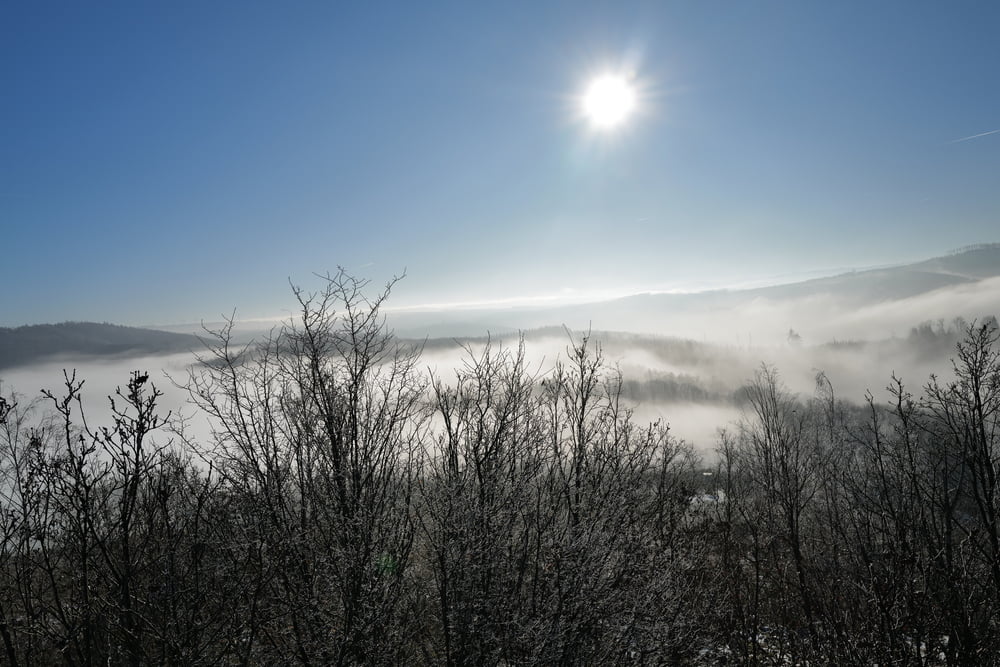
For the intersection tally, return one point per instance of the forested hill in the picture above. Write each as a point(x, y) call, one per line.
point(28, 344)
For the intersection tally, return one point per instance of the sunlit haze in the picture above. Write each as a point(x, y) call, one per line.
point(173, 163)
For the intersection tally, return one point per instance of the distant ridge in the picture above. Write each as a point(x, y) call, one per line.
point(652, 312)
point(660, 313)
point(974, 246)
point(36, 342)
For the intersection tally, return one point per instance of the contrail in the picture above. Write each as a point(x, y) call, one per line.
point(974, 136)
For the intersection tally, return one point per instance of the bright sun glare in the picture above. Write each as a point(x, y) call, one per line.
point(608, 101)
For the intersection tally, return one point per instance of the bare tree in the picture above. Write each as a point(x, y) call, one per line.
point(317, 434)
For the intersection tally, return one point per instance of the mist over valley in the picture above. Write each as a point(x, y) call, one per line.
point(684, 358)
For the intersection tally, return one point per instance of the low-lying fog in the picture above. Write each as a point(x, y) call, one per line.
point(695, 386)
point(101, 377)
point(692, 385)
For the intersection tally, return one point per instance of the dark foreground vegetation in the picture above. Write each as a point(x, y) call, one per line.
point(349, 510)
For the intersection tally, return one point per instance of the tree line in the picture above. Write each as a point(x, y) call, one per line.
point(350, 509)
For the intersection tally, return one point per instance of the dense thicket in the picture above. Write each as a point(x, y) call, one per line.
point(349, 509)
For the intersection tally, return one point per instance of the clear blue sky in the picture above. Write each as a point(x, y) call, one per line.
point(168, 162)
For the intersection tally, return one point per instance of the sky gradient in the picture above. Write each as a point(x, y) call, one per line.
point(171, 162)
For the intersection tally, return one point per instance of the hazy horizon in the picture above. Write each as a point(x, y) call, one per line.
point(542, 303)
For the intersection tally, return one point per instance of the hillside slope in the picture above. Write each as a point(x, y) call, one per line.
point(28, 344)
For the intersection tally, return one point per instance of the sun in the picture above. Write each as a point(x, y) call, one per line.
point(608, 101)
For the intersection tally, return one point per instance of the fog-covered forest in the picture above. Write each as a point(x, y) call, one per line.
point(349, 507)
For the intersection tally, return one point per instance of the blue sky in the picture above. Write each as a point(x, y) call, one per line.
point(169, 162)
